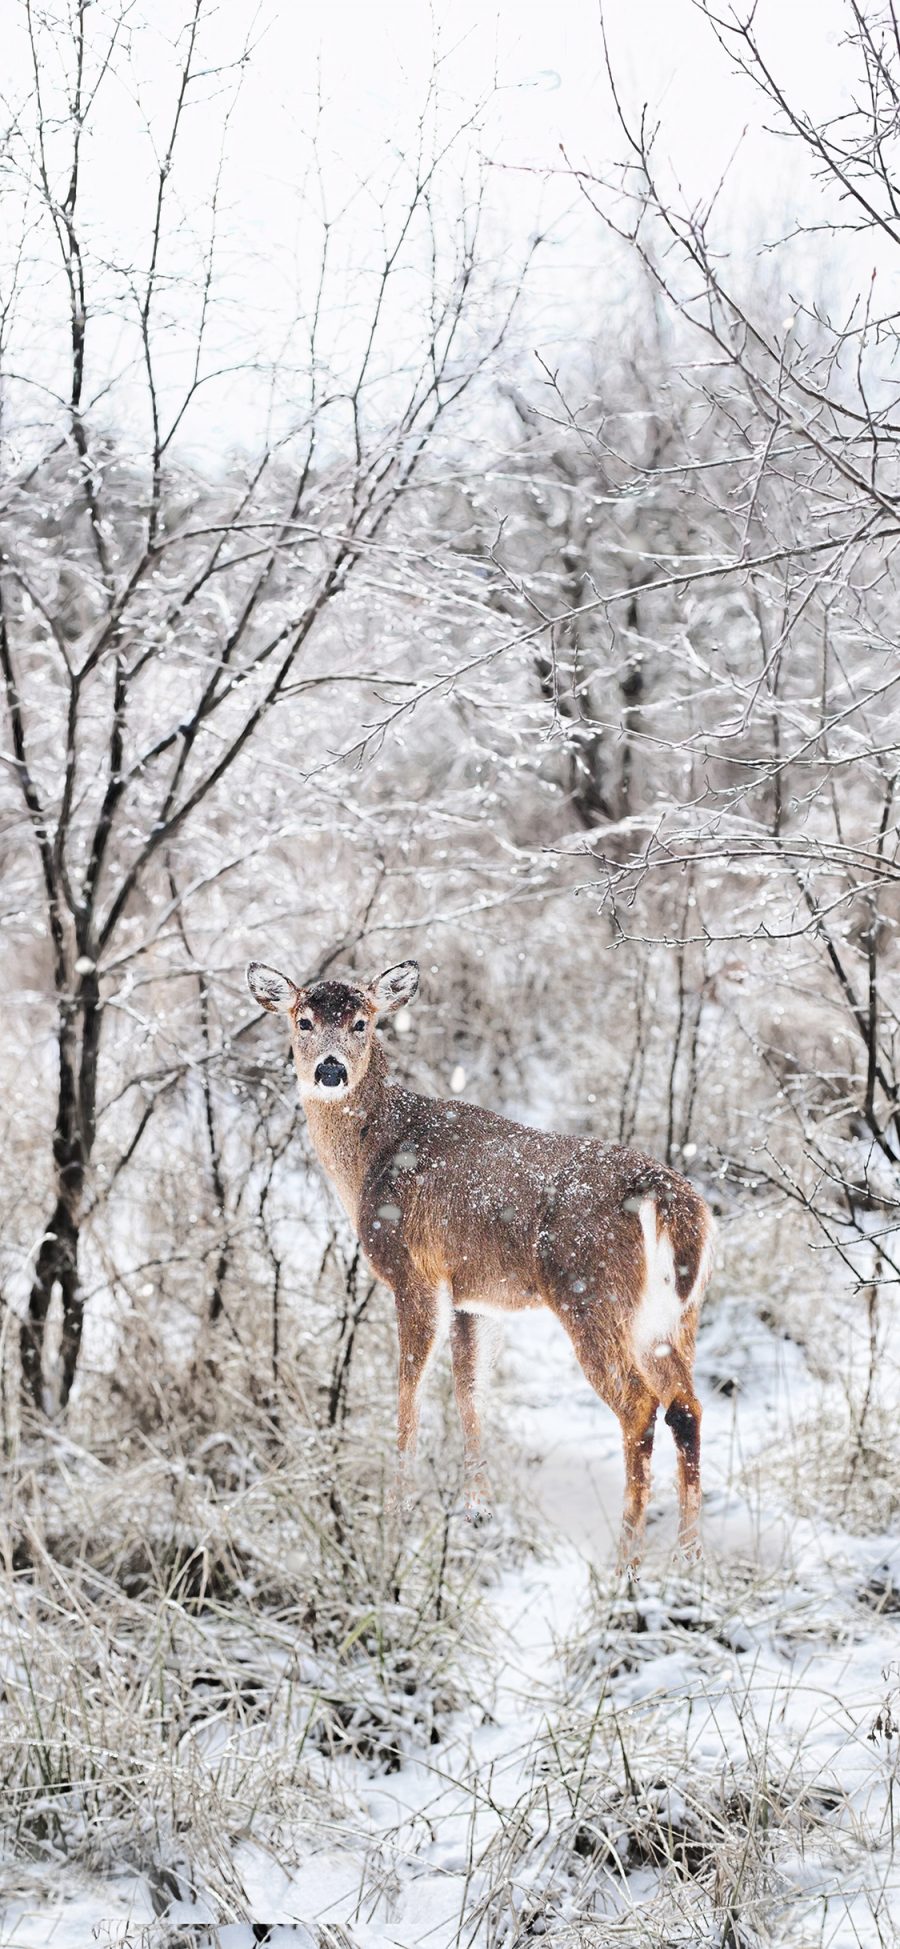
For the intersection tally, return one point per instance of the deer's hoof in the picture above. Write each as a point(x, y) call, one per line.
point(690, 1551)
point(629, 1554)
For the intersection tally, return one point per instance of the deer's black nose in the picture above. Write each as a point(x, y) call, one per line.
point(330, 1072)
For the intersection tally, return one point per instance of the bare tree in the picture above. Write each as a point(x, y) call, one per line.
point(149, 624)
point(775, 737)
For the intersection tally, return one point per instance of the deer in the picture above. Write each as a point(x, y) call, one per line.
point(465, 1215)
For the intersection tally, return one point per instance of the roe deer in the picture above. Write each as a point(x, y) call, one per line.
point(451, 1202)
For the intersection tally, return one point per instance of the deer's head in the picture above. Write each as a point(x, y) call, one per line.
point(332, 1023)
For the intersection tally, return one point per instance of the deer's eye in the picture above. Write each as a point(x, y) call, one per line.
point(359, 1027)
point(304, 1023)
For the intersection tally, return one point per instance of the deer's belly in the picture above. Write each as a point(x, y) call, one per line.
point(482, 1283)
point(501, 1297)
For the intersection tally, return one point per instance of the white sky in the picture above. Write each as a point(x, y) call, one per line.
point(372, 64)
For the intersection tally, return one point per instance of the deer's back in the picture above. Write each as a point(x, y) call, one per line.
point(510, 1216)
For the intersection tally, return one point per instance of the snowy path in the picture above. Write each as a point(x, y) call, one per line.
point(461, 1793)
point(439, 1815)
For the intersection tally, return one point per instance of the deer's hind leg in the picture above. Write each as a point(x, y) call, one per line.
point(635, 1405)
point(467, 1352)
point(637, 1418)
point(667, 1370)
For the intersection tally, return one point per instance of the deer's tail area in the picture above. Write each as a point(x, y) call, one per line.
point(679, 1236)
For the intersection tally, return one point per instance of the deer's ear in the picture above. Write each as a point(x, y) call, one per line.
point(395, 988)
point(274, 990)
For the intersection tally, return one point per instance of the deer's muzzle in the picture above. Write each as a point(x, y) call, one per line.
point(330, 1072)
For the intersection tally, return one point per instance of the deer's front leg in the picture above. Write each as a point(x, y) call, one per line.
point(417, 1325)
point(464, 1349)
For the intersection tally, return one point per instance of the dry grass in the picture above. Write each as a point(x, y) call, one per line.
point(200, 1643)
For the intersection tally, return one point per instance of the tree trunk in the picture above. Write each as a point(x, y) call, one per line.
point(57, 1264)
point(73, 1139)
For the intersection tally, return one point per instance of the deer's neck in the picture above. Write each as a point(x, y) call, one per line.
point(346, 1134)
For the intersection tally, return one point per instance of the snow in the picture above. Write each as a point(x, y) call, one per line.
point(73, 1913)
point(759, 1676)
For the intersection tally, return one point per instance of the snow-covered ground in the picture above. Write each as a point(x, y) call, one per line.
point(710, 1758)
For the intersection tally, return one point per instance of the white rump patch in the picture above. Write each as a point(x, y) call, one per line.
point(657, 1317)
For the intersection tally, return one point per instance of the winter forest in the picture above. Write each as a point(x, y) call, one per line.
point(449, 480)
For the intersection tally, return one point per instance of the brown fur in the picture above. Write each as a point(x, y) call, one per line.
point(446, 1196)
point(333, 1002)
